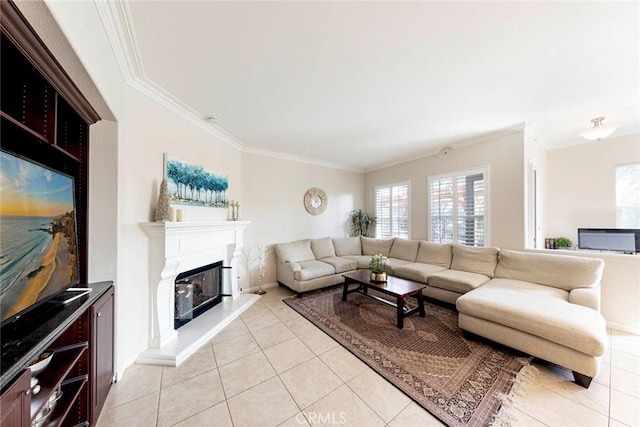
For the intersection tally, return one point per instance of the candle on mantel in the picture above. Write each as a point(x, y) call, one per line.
point(230, 205)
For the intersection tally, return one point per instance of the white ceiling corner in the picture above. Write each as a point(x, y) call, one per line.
point(118, 24)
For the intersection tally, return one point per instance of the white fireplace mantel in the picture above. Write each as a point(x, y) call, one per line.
point(176, 247)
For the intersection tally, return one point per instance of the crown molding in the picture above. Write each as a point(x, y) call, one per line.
point(118, 24)
point(487, 136)
point(300, 159)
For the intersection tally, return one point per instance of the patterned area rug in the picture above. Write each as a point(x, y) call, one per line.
point(461, 382)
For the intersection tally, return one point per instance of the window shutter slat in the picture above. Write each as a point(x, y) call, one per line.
point(457, 209)
point(392, 211)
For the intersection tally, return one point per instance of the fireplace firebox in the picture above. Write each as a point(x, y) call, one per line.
point(198, 290)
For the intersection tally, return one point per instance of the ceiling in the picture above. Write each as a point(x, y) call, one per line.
point(361, 85)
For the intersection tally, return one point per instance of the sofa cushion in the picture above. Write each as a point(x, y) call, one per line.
point(323, 248)
point(313, 269)
point(341, 264)
point(297, 251)
point(371, 246)
point(347, 246)
point(362, 260)
point(457, 281)
point(474, 259)
point(393, 263)
point(417, 272)
point(539, 310)
point(404, 249)
point(434, 253)
point(560, 271)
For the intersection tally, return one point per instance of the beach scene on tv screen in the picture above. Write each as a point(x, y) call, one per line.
point(37, 234)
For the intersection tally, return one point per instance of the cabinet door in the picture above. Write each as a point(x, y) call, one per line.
point(102, 313)
point(15, 402)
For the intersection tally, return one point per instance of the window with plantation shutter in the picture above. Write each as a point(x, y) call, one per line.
point(628, 196)
point(458, 208)
point(392, 211)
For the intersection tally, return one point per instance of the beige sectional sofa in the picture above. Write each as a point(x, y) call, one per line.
point(542, 304)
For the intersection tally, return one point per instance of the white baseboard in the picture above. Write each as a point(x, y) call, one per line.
point(624, 328)
point(123, 366)
point(255, 288)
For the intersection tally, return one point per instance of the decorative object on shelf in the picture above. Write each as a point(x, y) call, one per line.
point(377, 265)
point(562, 243)
point(179, 215)
point(599, 130)
point(39, 363)
point(234, 210)
point(362, 224)
point(192, 185)
point(254, 263)
point(163, 213)
point(260, 256)
point(315, 201)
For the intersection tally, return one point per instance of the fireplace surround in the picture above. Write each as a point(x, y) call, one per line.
point(175, 248)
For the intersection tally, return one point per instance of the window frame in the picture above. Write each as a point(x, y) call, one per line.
point(375, 197)
point(484, 170)
point(616, 205)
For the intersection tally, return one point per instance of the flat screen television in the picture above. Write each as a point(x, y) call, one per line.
point(625, 240)
point(38, 236)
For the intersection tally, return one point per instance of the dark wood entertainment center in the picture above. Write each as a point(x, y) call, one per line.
point(45, 117)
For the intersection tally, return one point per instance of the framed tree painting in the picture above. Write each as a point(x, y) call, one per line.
point(190, 184)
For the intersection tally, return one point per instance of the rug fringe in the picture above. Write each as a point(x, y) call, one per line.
point(505, 416)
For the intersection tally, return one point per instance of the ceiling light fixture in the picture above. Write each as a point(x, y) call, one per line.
point(599, 130)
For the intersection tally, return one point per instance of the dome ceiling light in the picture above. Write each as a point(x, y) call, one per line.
point(599, 130)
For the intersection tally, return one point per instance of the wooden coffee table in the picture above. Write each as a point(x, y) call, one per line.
point(394, 286)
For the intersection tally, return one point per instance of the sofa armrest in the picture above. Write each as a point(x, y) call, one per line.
point(588, 297)
point(285, 272)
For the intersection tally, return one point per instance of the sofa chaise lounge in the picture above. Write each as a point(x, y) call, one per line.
point(545, 305)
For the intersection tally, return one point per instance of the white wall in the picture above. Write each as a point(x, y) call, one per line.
point(535, 159)
point(581, 184)
point(147, 131)
point(581, 193)
point(505, 158)
point(272, 198)
point(127, 160)
point(103, 201)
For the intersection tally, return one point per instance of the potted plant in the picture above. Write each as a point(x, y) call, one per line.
point(562, 243)
point(377, 265)
point(362, 224)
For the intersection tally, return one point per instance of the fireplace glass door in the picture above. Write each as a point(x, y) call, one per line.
point(196, 291)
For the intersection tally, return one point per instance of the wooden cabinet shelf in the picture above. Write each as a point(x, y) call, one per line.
point(13, 122)
point(70, 391)
point(50, 379)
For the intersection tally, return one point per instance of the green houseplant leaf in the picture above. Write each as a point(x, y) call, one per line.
point(361, 223)
point(563, 242)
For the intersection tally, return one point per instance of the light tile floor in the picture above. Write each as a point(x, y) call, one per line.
point(271, 367)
